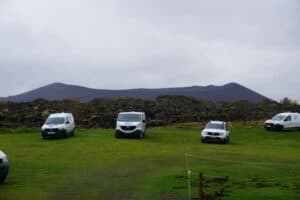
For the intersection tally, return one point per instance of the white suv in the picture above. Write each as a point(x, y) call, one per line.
point(4, 167)
point(58, 125)
point(131, 124)
point(215, 131)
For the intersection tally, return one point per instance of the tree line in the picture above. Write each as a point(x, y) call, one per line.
point(163, 110)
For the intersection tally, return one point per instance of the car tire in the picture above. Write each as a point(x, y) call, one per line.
point(140, 135)
point(144, 134)
point(226, 141)
point(279, 128)
point(203, 140)
point(117, 135)
point(72, 132)
point(2, 179)
point(65, 134)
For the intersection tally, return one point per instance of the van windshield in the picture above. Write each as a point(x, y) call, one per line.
point(55, 120)
point(279, 117)
point(129, 117)
point(214, 126)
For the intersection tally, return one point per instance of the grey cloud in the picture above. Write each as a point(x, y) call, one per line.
point(132, 44)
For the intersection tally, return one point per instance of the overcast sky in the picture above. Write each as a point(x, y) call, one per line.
point(118, 44)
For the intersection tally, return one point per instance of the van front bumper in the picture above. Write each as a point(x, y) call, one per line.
point(214, 139)
point(211, 138)
point(270, 126)
point(134, 133)
point(53, 133)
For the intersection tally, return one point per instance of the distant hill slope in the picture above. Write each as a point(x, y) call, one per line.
point(60, 91)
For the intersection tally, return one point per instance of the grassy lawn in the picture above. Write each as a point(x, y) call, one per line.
point(94, 165)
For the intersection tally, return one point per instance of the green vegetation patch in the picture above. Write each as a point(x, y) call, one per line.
point(95, 165)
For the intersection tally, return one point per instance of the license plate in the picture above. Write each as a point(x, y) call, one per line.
point(51, 133)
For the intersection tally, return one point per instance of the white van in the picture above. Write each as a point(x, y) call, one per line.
point(4, 167)
point(215, 131)
point(131, 124)
point(283, 121)
point(58, 125)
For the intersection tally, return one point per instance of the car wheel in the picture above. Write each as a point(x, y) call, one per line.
point(144, 134)
point(65, 134)
point(203, 140)
point(279, 128)
point(2, 179)
point(226, 141)
point(140, 135)
point(117, 135)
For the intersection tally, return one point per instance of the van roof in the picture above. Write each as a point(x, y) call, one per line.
point(288, 113)
point(59, 114)
point(217, 122)
point(132, 112)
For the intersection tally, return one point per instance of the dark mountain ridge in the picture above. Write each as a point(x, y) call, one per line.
point(59, 91)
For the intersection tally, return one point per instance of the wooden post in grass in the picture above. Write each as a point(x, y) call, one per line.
point(201, 186)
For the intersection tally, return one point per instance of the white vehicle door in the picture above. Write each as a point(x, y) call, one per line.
point(72, 122)
point(68, 123)
point(227, 129)
point(288, 122)
point(144, 122)
point(297, 120)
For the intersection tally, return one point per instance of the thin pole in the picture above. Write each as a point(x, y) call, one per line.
point(189, 184)
point(201, 186)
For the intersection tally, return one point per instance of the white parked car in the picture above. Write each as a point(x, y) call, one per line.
point(283, 121)
point(4, 167)
point(131, 124)
point(58, 125)
point(215, 131)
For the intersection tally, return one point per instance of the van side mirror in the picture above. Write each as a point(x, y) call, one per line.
point(144, 121)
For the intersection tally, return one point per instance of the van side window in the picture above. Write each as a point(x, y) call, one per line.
point(288, 118)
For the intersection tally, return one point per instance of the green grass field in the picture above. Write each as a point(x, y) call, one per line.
point(95, 165)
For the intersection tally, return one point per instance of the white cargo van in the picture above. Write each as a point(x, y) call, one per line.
point(58, 125)
point(3, 166)
point(283, 121)
point(131, 124)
